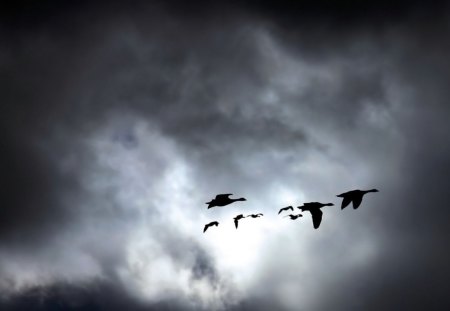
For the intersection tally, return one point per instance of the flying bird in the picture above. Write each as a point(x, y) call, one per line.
point(222, 200)
point(286, 208)
point(212, 223)
point(294, 217)
point(236, 219)
point(255, 215)
point(314, 209)
point(354, 196)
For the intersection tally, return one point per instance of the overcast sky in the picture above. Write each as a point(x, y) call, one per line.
point(119, 121)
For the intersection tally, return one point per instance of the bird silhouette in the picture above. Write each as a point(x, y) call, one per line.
point(236, 219)
point(212, 223)
point(222, 200)
point(255, 215)
point(286, 208)
point(294, 217)
point(314, 209)
point(354, 196)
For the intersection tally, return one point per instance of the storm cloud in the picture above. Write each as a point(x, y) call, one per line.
point(120, 121)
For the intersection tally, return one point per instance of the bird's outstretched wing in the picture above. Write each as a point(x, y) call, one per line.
point(285, 209)
point(357, 201)
point(316, 217)
point(206, 227)
point(213, 223)
point(346, 201)
point(223, 196)
point(236, 223)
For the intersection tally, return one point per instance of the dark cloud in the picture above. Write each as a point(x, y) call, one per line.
point(95, 295)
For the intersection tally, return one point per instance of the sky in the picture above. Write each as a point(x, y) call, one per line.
point(120, 120)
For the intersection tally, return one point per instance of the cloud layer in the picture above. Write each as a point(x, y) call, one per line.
point(120, 122)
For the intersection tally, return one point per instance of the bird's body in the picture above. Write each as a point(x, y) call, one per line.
point(314, 209)
point(222, 200)
point(354, 196)
point(286, 208)
point(294, 217)
point(213, 223)
point(237, 218)
point(255, 215)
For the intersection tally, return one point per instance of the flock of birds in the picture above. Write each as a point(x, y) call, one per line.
point(353, 196)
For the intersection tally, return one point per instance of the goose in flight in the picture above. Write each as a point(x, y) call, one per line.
point(354, 196)
point(236, 219)
point(314, 209)
point(294, 217)
point(286, 208)
point(212, 223)
point(255, 215)
point(222, 200)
